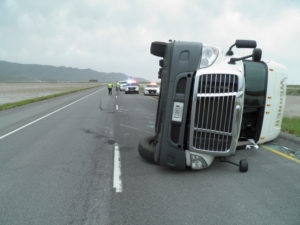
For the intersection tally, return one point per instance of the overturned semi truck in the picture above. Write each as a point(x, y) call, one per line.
point(212, 103)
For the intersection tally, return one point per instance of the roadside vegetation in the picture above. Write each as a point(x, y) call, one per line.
point(142, 88)
point(293, 90)
point(32, 100)
point(291, 125)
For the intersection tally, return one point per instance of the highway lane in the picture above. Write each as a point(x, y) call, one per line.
point(60, 170)
point(268, 194)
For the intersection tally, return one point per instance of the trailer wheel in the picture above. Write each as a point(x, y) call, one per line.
point(243, 166)
point(147, 149)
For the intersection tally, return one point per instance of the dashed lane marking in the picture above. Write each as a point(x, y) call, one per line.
point(117, 182)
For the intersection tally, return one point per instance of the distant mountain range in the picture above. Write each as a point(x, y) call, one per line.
point(17, 72)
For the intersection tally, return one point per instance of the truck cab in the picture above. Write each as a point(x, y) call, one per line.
point(212, 102)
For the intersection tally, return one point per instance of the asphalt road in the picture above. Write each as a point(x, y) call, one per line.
point(59, 164)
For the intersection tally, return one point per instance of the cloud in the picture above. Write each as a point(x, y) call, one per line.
point(110, 35)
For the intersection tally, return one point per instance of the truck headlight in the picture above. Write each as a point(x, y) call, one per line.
point(198, 162)
point(209, 56)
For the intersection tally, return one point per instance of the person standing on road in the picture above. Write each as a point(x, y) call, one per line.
point(109, 87)
point(118, 86)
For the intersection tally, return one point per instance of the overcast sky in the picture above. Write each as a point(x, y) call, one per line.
point(115, 36)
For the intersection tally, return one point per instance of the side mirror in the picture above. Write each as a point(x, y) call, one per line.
point(158, 48)
point(245, 44)
point(256, 54)
point(241, 44)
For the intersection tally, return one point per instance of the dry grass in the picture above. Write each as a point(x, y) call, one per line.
point(293, 90)
point(38, 92)
point(291, 125)
point(14, 92)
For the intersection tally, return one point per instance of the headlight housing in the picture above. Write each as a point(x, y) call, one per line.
point(209, 56)
point(198, 162)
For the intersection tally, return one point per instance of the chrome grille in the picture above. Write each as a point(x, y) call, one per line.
point(213, 112)
point(152, 91)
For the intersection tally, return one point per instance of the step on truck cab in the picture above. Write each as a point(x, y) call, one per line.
point(213, 102)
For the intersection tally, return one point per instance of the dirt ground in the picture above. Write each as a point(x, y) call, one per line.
point(292, 106)
point(13, 92)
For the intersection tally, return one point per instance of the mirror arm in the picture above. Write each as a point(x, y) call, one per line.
point(230, 52)
point(233, 60)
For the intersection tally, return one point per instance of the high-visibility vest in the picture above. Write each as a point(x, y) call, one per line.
point(118, 84)
point(109, 85)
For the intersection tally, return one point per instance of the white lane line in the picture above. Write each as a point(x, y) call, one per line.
point(116, 96)
point(117, 183)
point(45, 116)
point(117, 107)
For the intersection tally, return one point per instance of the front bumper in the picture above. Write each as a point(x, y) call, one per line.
point(132, 90)
point(151, 92)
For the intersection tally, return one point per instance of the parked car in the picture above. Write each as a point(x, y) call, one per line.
point(122, 85)
point(151, 89)
point(132, 87)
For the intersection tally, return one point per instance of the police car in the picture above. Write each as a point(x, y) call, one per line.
point(132, 87)
point(151, 89)
point(123, 84)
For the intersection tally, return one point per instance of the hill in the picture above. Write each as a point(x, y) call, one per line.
point(17, 72)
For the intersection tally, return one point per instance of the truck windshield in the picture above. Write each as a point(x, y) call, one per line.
point(256, 80)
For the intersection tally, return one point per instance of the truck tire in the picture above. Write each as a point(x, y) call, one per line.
point(243, 165)
point(147, 149)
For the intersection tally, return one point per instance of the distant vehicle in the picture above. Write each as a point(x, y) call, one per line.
point(123, 85)
point(151, 89)
point(132, 87)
